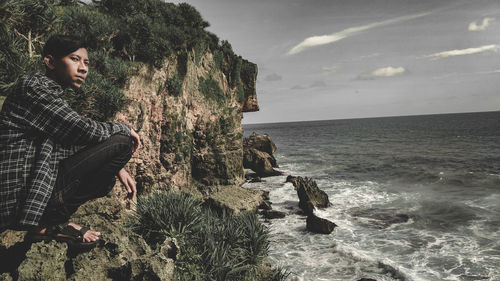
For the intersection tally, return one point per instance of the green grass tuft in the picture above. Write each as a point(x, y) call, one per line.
point(214, 245)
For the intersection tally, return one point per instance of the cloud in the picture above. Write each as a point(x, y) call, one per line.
point(469, 51)
point(383, 72)
point(334, 37)
point(315, 84)
point(273, 77)
point(473, 26)
point(331, 69)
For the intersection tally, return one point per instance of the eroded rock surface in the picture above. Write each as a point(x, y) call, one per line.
point(310, 195)
point(235, 199)
point(258, 155)
point(319, 225)
point(122, 255)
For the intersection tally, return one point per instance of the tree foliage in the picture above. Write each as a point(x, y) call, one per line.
point(119, 33)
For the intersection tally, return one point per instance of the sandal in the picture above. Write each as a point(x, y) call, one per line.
point(72, 236)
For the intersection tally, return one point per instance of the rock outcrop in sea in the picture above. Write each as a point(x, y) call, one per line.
point(258, 155)
point(310, 196)
point(319, 225)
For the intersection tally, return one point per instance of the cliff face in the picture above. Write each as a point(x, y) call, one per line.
point(188, 114)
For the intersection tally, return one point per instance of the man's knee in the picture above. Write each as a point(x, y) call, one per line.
point(124, 144)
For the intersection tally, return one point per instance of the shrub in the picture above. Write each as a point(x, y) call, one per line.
point(174, 85)
point(210, 88)
point(214, 245)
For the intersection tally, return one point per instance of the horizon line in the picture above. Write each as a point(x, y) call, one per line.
point(372, 117)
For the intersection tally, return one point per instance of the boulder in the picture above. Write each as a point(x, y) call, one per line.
point(256, 179)
point(265, 205)
point(258, 155)
point(319, 225)
point(260, 162)
point(234, 199)
point(44, 261)
point(273, 214)
point(121, 253)
point(310, 196)
point(260, 142)
point(153, 266)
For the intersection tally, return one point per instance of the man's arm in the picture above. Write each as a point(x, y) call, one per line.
point(51, 115)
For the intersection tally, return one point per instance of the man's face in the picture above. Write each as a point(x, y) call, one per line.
point(72, 69)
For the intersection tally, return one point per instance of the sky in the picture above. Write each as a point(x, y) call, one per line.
point(338, 59)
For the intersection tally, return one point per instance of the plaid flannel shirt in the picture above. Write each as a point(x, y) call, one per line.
point(37, 131)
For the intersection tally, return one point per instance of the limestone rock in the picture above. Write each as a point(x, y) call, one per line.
point(273, 214)
point(5, 277)
point(260, 162)
point(258, 155)
point(152, 266)
point(235, 199)
point(261, 142)
point(121, 255)
point(265, 205)
point(319, 225)
point(188, 138)
point(249, 79)
point(170, 249)
point(310, 195)
point(44, 261)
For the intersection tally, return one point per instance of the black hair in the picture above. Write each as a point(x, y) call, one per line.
point(62, 45)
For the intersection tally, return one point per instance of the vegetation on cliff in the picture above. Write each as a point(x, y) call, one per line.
point(120, 33)
point(214, 245)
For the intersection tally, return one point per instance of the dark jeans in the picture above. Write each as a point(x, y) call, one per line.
point(88, 174)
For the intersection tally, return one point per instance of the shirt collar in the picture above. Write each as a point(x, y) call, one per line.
point(53, 85)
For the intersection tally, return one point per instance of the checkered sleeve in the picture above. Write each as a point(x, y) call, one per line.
point(51, 115)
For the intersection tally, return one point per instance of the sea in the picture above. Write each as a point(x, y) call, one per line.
point(441, 173)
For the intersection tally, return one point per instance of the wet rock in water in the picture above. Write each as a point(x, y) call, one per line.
point(367, 279)
point(254, 180)
point(319, 225)
point(310, 195)
point(265, 205)
point(273, 214)
point(380, 218)
point(44, 261)
point(258, 155)
point(260, 162)
point(290, 178)
point(261, 142)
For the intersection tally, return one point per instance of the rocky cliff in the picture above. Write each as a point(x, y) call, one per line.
point(188, 114)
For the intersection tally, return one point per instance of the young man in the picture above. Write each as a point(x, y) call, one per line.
point(42, 180)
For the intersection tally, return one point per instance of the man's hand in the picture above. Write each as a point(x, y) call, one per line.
point(136, 140)
point(129, 184)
